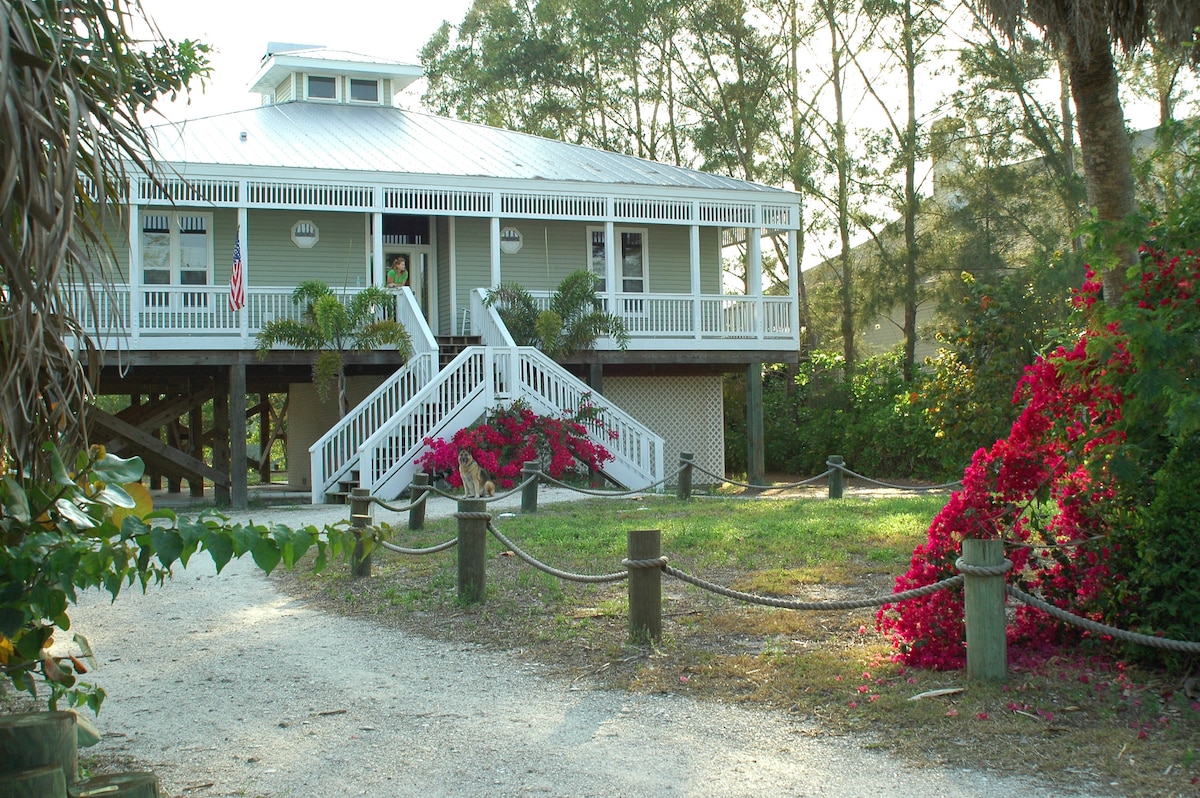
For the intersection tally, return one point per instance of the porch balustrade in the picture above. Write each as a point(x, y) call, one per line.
point(174, 317)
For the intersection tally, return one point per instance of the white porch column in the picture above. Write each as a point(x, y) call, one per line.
point(610, 262)
point(794, 278)
point(452, 259)
point(694, 252)
point(496, 248)
point(243, 233)
point(135, 271)
point(377, 264)
point(754, 274)
point(754, 261)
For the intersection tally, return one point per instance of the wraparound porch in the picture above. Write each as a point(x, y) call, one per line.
point(174, 317)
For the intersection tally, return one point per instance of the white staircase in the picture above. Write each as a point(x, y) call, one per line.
point(387, 438)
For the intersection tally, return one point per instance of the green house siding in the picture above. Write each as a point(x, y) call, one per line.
point(552, 250)
point(340, 258)
point(472, 251)
point(116, 230)
point(441, 248)
point(711, 275)
point(549, 252)
point(223, 237)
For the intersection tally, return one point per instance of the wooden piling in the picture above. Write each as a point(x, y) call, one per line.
point(360, 520)
point(983, 606)
point(835, 476)
point(416, 510)
point(684, 489)
point(472, 552)
point(529, 493)
point(645, 586)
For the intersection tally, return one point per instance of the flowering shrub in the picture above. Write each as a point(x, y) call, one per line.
point(1075, 486)
point(515, 435)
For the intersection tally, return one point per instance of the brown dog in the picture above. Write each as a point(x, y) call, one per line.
point(475, 481)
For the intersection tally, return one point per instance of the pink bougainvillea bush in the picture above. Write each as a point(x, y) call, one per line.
point(515, 435)
point(1073, 488)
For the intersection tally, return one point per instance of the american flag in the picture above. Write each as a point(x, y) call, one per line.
point(237, 279)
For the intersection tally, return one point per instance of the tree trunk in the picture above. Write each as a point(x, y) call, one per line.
point(911, 200)
point(1107, 152)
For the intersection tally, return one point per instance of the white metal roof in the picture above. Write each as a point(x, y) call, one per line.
point(393, 141)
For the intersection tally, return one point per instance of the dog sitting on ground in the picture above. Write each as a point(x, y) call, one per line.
point(475, 481)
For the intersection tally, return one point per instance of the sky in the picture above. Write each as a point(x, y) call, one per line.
point(238, 31)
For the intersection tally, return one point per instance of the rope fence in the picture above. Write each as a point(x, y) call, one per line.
point(982, 569)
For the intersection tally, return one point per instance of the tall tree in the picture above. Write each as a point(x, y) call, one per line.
point(917, 30)
point(1086, 32)
point(592, 72)
point(839, 18)
point(73, 83)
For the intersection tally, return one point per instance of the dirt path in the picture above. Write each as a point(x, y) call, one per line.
point(224, 686)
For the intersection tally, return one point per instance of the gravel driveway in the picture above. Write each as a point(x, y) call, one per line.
point(225, 686)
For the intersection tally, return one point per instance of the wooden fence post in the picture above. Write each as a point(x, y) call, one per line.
point(530, 491)
point(684, 490)
point(835, 476)
point(472, 552)
point(645, 586)
point(416, 510)
point(360, 519)
point(983, 606)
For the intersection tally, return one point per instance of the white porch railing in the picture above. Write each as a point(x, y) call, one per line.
point(174, 317)
point(550, 389)
point(678, 321)
point(457, 397)
point(334, 456)
point(480, 378)
point(486, 322)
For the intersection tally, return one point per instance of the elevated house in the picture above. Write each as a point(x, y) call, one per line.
point(329, 180)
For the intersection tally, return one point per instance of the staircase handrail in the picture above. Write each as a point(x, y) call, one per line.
point(335, 453)
point(486, 322)
point(477, 373)
point(408, 313)
point(631, 442)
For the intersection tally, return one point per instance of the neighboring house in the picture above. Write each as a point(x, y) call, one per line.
point(884, 330)
point(328, 180)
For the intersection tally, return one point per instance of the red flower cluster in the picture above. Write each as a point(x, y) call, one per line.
point(1044, 486)
point(515, 435)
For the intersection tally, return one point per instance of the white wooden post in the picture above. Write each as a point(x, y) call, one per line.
point(694, 244)
point(135, 269)
point(794, 278)
point(495, 242)
point(377, 265)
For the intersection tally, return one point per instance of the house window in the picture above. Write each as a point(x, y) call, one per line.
point(630, 255)
point(322, 88)
point(176, 251)
point(305, 234)
point(364, 91)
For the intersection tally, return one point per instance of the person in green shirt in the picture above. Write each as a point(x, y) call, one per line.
point(397, 273)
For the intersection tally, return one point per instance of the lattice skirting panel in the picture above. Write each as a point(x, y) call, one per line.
point(686, 411)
